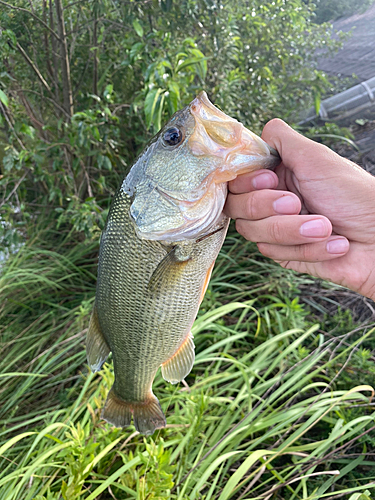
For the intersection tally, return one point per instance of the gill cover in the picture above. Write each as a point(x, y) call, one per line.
point(179, 183)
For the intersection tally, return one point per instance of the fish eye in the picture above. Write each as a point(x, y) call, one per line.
point(172, 136)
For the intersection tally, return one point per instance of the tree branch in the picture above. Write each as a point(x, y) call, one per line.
point(34, 68)
point(46, 44)
point(54, 52)
point(65, 66)
point(57, 105)
point(42, 80)
point(95, 56)
point(3, 110)
point(32, 15)
point(13, 190)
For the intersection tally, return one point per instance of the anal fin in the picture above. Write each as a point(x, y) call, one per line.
point(180, 364)
point(148, 415)
point(96, 346)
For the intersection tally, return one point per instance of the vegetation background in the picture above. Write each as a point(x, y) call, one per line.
point(279, 402)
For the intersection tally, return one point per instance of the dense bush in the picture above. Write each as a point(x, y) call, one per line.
point(84, 85)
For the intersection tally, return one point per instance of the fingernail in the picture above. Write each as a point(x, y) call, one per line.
point(286, 205)
point(264, 181)
point(314, 228)
point(339, 245)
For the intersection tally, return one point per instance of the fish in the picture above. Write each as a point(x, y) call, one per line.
point(164, 230)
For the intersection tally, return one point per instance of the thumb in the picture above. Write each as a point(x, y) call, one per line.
point(300, 154)
point(320, 174)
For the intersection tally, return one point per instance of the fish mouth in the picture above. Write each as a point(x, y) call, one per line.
point(217, 134)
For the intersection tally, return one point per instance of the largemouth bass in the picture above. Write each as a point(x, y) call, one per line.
point(164, 231)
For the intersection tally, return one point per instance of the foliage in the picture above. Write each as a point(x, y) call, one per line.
point(331, 135)
point(271, 404)
point(270, 407)
point(330, 10)
point(84, 85)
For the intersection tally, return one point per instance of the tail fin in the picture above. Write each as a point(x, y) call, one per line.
point(148, 415)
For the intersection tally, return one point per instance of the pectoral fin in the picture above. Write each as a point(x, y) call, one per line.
point(169, 268)
point(96, 346)
point(180, 364)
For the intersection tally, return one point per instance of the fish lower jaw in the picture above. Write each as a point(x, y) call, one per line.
point(191, 226)
point(182, 236)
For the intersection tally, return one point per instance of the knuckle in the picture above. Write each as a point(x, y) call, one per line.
point(307, 253)
point(275, 122)
point(277, 232)
point(244, 228)
point(273, 128)
point(251, 207)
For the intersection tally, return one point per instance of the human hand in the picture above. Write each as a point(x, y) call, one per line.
point(315, 214)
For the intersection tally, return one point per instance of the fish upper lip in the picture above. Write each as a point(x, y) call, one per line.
point(274, 152)
point(217, 134)
point(202, 98)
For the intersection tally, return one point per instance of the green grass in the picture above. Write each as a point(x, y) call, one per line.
point(277, 406)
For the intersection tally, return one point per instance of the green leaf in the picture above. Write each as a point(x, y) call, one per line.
point(111, 479)
point(159, 112)
point(21, 374)
point(14, 440)
point(172, 101)
point(108, 91)
point(104, 76)
point(327, 484)
point(135, 50)
point(166, 5)
point(191, 61)
point(104, 162)
point(173, 87)
point(150, 104)
point(3, 98)
point(138, 28)
point(27, 130)
point(209, 470)
point(242, 470)
point(96, 133)
point(317, 101)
